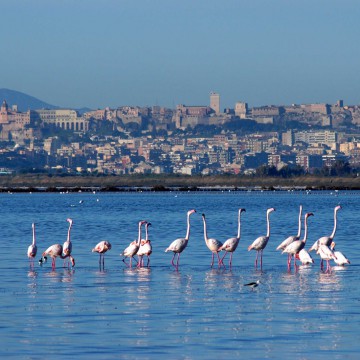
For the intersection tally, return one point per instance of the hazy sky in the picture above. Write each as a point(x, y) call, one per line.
point(98, 53)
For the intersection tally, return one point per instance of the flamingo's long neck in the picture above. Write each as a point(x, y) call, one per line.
point(188, 227)
point(68, 236)
point(306, 229)
point(239, 225)
point(34, 237)
point(335, 223)
point(205, 230)
point(139, 236)
point(146, 232)
point(268, 224)
point(299, 229)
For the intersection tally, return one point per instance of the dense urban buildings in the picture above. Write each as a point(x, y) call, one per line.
point(185, 140)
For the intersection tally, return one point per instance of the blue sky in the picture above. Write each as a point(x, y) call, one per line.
point(93, 53)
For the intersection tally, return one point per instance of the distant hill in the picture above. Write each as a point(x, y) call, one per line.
point(23, 101)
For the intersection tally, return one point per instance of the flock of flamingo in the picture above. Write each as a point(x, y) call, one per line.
point(293, 246)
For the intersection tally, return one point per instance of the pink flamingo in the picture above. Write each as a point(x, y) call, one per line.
point(341, 259)
point(326, 240)
point(67, 247)
point(55, 251)
point(145, 248)
point(296, 246)
point(213, 244)
point(326, 254)
point(102, 247)
point(231, 244)
point(291, 238)
point(133, 248)
point(178, 245)
point(304, 257)
point(32, 249)
point(260, 243)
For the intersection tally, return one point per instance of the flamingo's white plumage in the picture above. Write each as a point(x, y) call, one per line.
point(32, 249)
point(67, 246)
point(133, 247)
point(231, 244)
point(102, 247)
point(213, 245)
point(260, 243)
point(178, 245)
point(296, 246)
point(340, 259)
point(145, 247)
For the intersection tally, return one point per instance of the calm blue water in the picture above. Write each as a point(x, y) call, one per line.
point(195, 313)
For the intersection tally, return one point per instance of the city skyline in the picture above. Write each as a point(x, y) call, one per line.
point(87, 54)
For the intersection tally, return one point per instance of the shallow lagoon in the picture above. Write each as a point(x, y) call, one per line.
point(194, 313)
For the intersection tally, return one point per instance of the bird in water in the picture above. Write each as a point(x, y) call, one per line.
point(55, 251)
point(326, 254)
point(260, 243)
point(178, 245)
point(291, 238)
point(32, 249)
point(341, 259)
point(253, 284)
point(212, 244)
point(296, 246)
point(304, 257)
point(231, 244)
point(102, 247)
point(133, 247)
point(67, 246)
point(145, 248)
point(326, 240)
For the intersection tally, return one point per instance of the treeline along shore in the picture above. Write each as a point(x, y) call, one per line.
point(57, 183)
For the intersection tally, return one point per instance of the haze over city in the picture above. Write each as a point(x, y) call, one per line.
point(161, 52)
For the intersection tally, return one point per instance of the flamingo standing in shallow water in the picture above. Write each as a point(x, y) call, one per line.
point(291, 238)
point(231, 244)
point(260, 243)
point(212, 244)
point(32, 249)
point(178, 245)
point(55, 251)
point(296, 246)
point(304, 257)
point(326, 254)
point(133, 248)
point(145, 248)
point(326, 240)
point(340, 259)
point(67, 247)
point(102, 247)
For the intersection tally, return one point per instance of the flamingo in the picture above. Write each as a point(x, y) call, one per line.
point(133, 248)
point(55, 251)
point(304, 257)
point(32, 249)
point(145, 247)
point(326, 254)
point(102, 247)
point(340, 259)
point(67, 247)
point(213, 244)
point(260, 243)
point(326, 240)
point(178, 245)
point(296, 246)
point(291, 238)
point(231, 244)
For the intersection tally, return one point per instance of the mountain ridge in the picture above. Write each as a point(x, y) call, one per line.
point(23, 101)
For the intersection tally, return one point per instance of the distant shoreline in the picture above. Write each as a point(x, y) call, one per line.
point(58, 183)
